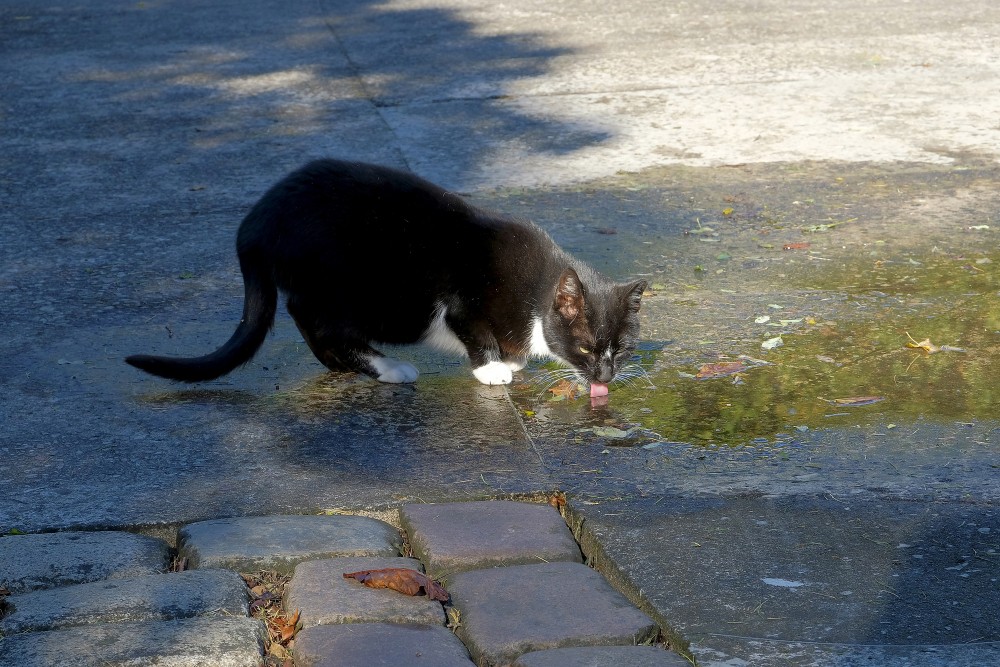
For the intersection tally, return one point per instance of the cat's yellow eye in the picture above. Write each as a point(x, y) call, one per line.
point(584, 350)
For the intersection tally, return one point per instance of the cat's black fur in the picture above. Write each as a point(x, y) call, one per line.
point(367, 254)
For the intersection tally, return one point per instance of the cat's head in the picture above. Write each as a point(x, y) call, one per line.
point(594, 327)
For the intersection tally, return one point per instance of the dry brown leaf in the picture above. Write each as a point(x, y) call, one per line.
point(558, 499)
point(565, 389)
point(286, 627)
point(401, 579)
point(720, 369)
point(795, 246)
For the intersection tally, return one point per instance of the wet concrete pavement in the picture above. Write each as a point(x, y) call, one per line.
point(134, 136)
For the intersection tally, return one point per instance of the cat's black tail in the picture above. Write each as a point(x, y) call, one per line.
point(259, 305)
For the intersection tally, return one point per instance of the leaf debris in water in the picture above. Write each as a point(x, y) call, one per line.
point(854, 401)
point(720, 369)
point(565, 389)
point(930, 348)
point(772, 343)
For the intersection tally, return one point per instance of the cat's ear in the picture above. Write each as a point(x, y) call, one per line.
point(632, 294)
point(569, 295)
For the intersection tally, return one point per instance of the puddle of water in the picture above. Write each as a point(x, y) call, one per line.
point(845, 305)
point(811, 383)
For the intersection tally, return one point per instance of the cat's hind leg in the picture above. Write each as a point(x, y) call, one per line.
point(341, 352)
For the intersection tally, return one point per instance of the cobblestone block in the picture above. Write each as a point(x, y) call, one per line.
point(322, 595)
point(35, 562)
point(454, 537)
point(508, 611)
point(379, 645)
point(280, 542)
point(189, 642)
point(151, 597)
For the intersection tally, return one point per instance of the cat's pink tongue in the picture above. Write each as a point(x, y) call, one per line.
point(597, 390)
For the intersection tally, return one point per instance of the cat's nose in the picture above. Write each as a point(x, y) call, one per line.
point(605, 373)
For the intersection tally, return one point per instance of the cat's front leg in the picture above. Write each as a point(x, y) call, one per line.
point(494, 372)
point(483, 350)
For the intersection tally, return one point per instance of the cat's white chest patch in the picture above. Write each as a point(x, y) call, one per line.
point(439, 336)
point(537, 347)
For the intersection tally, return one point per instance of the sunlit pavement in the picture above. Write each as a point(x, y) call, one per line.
point(764, 518)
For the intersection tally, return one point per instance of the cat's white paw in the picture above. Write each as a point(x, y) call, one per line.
point(495, 372)
point(393, 370)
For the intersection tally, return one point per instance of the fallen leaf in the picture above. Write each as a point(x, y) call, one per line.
point(700, 230)
point(278, 651)
point(558, 499)
point(854, 401)
point(796, 246)
point(719, 370)
point(401, 579)
point(930, 348)
point(772, 343)
point(727, 212)
point(564, 389)
point(286, 627)
point(609, 432)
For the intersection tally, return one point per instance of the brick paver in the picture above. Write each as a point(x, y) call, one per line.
point(280, 542)
point(150, 597)
point(379, 645)
point(219, 641)
point(136, 614)
point(453, 537)
point(508, 611)
point(35, 562)
point(323, 597)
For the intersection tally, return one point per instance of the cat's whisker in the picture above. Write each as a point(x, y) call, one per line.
point(630, 374)
point(550, 378)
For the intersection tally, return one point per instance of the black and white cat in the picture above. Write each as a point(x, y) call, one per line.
point(367, 254)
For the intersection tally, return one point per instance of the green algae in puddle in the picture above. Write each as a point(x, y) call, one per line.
point(861, 352)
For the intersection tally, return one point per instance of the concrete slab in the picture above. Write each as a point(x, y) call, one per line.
point(320, 593)
point(281, 542)
point(507, 611)
point(33, 562)
point(148, 598)
point(847, 574)
point(133, 138)
point(601, 656)
point(190, 642)
point(741, 652)
point(561, 93)
point(379, 645)
point(454, 537)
